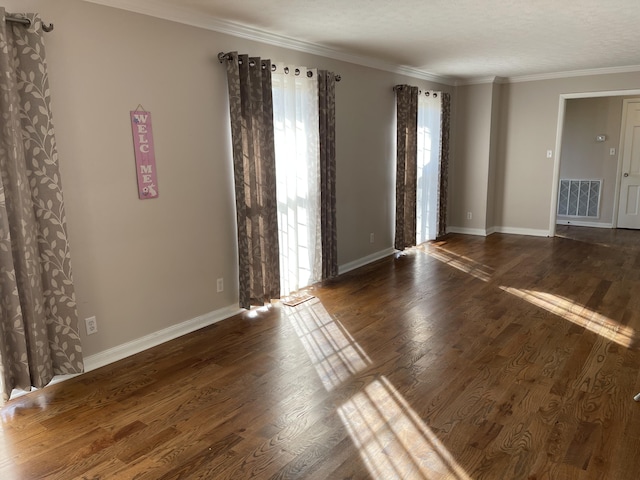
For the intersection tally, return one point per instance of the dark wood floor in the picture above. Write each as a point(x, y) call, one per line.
point(506, 357)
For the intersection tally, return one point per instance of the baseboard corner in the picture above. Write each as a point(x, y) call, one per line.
point(361, 262)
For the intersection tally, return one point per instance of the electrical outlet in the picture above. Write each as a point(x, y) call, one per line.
point(220, 285)
point(371, 238)
point(91, 324)
point(469, 215)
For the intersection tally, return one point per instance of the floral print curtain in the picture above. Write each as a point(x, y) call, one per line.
point(251, 110)
point(327, 115)
point(443, 180)
point(406, 165)
point(38, 316)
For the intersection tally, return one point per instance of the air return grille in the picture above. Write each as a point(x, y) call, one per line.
point(579, 198)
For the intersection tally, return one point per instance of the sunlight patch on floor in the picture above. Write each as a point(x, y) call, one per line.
point(577, 314)
point(393, 441)
point(459, 262)
point(255, 312)
point(334, 353)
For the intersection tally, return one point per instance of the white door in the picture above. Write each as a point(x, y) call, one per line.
point(629, 199)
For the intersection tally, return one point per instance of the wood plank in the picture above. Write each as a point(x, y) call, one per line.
point(470, 357)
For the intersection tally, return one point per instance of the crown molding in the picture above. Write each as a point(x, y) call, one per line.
point(185, 16)
point(480, 81)
point(547, 76)
point(160, 9)
point(574, 73)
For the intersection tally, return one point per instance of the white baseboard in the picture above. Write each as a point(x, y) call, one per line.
point(509, 230)
point(125, 350)
point(156, 338)
point(111, 355)
point(119, 352)
point(532, 232)
point(361, 262)
point(467, 231)
point(578, 223)
point(138, 345)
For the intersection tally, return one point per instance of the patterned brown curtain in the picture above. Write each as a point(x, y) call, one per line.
point(443, 180)
point(38, 317)
point(406, 165)
point(327, 113)
point(251, 109)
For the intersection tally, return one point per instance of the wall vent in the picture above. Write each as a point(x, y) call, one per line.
point(579, 198)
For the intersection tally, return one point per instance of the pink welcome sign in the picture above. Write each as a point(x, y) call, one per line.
point(145, 154)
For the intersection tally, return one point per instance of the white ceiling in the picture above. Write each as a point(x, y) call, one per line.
point(460, 40)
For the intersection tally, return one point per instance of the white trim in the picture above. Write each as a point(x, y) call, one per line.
point(141, 344)
point(532, 232)
point(573, 73)
point(555, 186)
point(618, 183)
point(361, 262)
point(208, 22)
point(491, 230)
point(468, 231)
point(578, 223)
point(481, 81)
point(604, 93)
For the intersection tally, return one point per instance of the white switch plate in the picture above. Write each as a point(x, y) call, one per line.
point(549, 153)
point(612, 151)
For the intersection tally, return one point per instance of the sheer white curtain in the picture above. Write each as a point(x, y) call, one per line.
point(295, 116)
point(429, 112)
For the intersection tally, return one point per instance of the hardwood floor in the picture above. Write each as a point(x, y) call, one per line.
point(506, 357)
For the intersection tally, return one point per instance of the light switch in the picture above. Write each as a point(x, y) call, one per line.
point(612, 151)
point(549, 153)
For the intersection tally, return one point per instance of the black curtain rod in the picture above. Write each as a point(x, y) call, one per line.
point(427, 93)
point(27, 22)
point(225, 56)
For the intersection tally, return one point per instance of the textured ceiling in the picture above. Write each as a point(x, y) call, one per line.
point(463, 39)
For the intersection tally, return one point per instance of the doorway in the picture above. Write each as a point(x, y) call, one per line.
point(613, 188)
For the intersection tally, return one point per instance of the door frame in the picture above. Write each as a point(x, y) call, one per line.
point(562, 103)
point(623, 129)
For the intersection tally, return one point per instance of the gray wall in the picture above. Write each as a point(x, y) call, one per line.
point(145, 266)
point(470, 165)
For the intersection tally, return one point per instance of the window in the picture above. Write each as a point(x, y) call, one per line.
point(429, 112)
point(296, 136)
